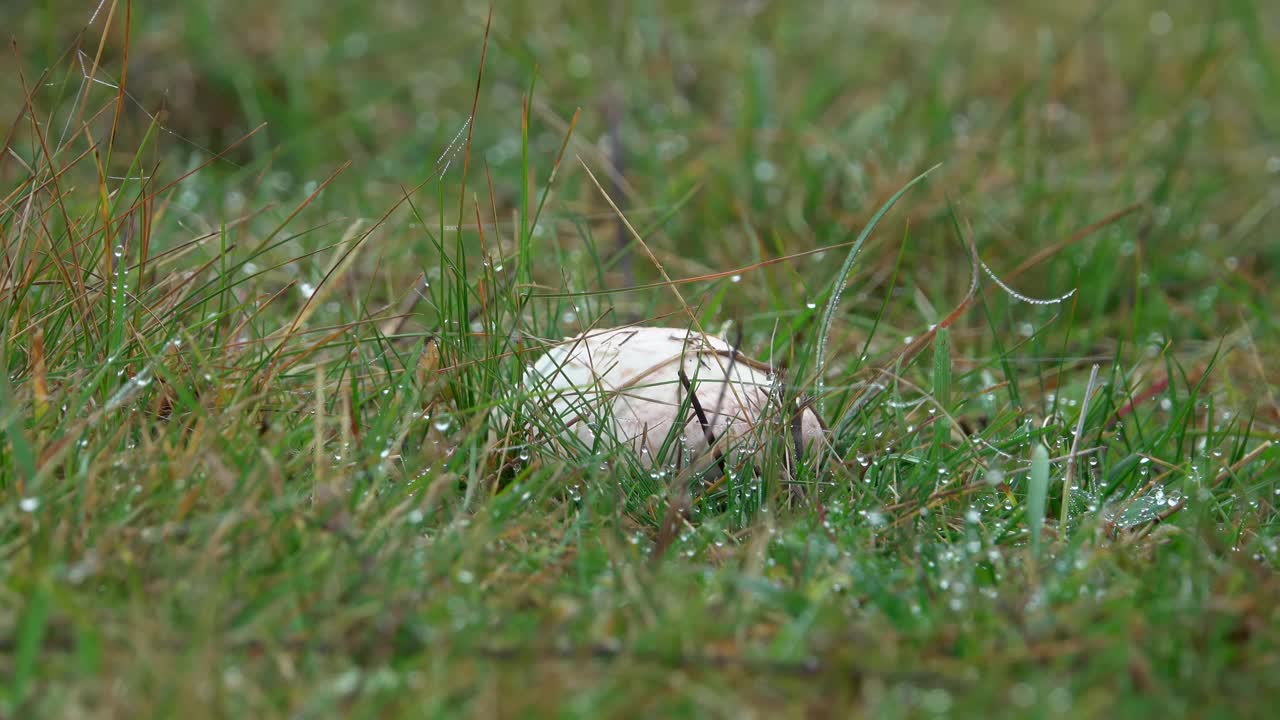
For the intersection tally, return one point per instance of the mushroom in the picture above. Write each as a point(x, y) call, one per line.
point(632, 385)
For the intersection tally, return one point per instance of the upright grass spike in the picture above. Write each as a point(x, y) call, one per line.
point(842, 277)
point(1037, 493)
point(1067, 477)
point(942, 385)
point(524, 262)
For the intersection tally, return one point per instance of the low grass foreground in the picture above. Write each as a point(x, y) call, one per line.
point(271, 274)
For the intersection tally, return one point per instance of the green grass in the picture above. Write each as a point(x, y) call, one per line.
point(249, 459)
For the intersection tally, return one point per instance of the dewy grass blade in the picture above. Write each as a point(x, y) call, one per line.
point(942, 385)
point(837, 286)
point(1037, 493)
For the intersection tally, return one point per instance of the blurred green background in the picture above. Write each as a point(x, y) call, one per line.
point(744, 125)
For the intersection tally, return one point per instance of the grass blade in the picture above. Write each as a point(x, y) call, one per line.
point(842, 277)
point(1037, 493)
point(942, 384)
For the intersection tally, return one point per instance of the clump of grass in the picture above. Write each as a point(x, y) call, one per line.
point(250, 462)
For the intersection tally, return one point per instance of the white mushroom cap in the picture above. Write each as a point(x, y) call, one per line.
point(624, 384)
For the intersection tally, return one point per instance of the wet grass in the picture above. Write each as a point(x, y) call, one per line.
point(258, 309)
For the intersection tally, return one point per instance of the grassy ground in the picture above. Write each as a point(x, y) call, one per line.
point(256, 308)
